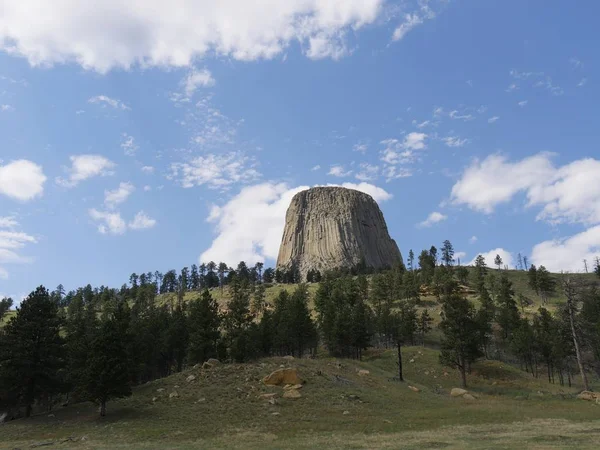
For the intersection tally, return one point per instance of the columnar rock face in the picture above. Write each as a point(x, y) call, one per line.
point(333, 227)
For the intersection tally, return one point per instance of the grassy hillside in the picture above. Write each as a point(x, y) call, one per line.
point(223, 408)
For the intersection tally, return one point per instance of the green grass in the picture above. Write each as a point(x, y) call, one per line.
point(222, 409)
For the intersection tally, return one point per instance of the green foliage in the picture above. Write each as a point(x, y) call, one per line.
point(485, 319)
point(239, 327)
point(460, 344)
point(203, 324)
point(107, 374)
point(480, 273)
point(507, 312)
point(32, 352)
point(498, 261)
point(447, 253)
point(5, 305)
point(424, 324)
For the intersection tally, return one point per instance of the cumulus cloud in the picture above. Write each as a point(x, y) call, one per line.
point(315, 168)
point(493, 119)
point(155, 33)
point(142, 221)
point(111, 222)
point(128, 145)
point(507, 258)
point(567, 254)
point(22, 180)
point(339, 171)
point(367, 172)
point(414, 19)
point(148, 169)
point(195, 79)
point(118, 195)
point(473, 239)
point(84, 167)
point(523, 103)
point(107, 101)
point(215, 171)
point(250, 225)
point(432, 219)
point(362, 148)
point(11, 242)
point(455, 141)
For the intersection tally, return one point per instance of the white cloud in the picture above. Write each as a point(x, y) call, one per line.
point(415, 141)
point(507, 258)
point(195, 79)
point(455, 141)
point(142, 221)
point(250, 225)
point(567, 254)
point(128, 145)
point(176, 33)
point(148, 169)
point(10, 243)
point(147, 188)
point(569, 193)
point(512, 87)
point(110, 222)
point(368, 172)
point(84, 167)
point(215, 171)
point(119, 195)
point(22, 180)
point(473, 239)
point(317, 167)
point(456, 115)
point(8, 222)
point(582, 83)
point(460, 256)
point(6, 108)
point(493, 119)
point(339, 171)
point(401, 152)
point(107, 101)
point(410, 22)
point(362, 148)
point(493, 181)
point(523, 103)
point(432, 219)
point(393, 172)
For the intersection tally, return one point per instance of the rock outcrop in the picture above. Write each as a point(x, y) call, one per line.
point(332, 227)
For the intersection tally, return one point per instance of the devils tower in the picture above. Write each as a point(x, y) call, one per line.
point(333, 227)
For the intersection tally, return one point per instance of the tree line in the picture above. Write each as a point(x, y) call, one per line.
point(95, 344)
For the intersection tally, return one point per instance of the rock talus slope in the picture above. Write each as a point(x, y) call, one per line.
point(333, 227)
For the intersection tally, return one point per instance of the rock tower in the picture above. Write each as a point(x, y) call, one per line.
point(333, 227)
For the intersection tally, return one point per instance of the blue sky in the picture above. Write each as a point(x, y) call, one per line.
point(152, 137)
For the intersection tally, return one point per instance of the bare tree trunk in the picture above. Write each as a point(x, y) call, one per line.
point(571, 292)
point(400, 377)
point(103, 408)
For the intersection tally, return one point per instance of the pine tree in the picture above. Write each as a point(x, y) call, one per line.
point(5, 305)
point(508, 312)
point(485, 318)
point(194, 278)
point(545, 283)
point(405, 326)
point(32, 351)
point(480, 273)
point(259, 303)
point(203, 322)
point(532, 279)
point(178, 337)
point(498, 261)
point(411, 260)
point(447, 253)
point(238, 323)
point(597, 267)
point(424, 324)
point(460, 344)
point(108, 366)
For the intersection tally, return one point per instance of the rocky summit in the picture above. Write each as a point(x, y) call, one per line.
point(332, 227)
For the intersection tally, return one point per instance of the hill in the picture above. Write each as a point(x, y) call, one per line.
point(223, 407)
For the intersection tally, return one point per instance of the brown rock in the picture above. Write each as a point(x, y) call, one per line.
point(292, 393)
point(292, 386)
point(588, 395)
point(190, 378)
point(282, 377)
point(468, 397)
point(333, 227)
point(458, 392)
point(414, 389)
point(363, 373)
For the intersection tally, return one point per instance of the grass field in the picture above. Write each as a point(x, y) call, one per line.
point(222, 408)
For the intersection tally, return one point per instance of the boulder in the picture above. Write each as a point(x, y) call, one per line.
point(154, 399)
point(159, 390)
point(458, 392)
point(288, 357)
point(363, 373)
point(468, 396)
point(3, 417)
point(588, 395)
point(414, 389)
point(282, 377)
point(173, 395)
point(292, 393)
point(334, 227)
point(213, 362)
point(292, 386)
point(345, 413)
point(190, 378)
point(268, 396)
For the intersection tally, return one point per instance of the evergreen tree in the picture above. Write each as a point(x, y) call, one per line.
point(238, 323)
point(269, 275)
point(480, 273)
point(532, 279)
point(447, 253)
point(259, 303)
point(544, 329)
point(222, 270)
point(178, 337)
point(523, 345)
point(508, 312)
point(411, 260)
point(485, 318)
point(259, 268)
point(424, 324)
point(427, 266)
point(597, 267)
point(203, 322)
point(405, 327)
point(107, 366)
point(498, 261)
point(382, 298)
point(32, 352)
point(5, 305)
point(194, 278)
point(460, 344)
point(546, 285)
